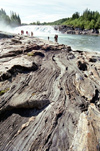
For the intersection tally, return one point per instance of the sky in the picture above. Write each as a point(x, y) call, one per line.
point(47, 10)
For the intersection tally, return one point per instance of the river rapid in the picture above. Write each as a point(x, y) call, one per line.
point(77, 42)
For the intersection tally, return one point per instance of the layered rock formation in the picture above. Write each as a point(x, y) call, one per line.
point(78, 31)
point(49, 96)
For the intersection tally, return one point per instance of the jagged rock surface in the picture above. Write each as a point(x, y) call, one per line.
point(49, 97)
point(87, 134)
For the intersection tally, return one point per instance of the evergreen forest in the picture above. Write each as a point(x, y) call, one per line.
point(13, 21)
point(88, 20)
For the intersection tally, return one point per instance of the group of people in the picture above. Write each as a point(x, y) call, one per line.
point(55, 38)
point(27, 33)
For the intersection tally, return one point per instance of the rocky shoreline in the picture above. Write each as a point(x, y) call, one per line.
point(78, 31)
point(49, 96)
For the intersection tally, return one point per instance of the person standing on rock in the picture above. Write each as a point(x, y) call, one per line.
point(31, 34)
point(22, 32)
point(48, 38)
point(56, 38)
point(26, 32)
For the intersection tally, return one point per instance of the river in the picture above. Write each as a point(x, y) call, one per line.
point(77, 42)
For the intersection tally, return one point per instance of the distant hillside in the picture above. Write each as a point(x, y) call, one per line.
point(58, 22)
point(88, 20)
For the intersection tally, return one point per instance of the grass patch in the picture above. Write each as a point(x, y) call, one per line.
point(30, 54)
point(33, 94)
point(0, 73)
point(3, 91)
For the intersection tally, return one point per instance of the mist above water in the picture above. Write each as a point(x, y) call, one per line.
point(4, 27)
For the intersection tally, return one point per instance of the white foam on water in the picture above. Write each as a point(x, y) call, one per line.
point(37, 30)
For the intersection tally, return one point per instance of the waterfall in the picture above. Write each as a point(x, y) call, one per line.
point(38, 30)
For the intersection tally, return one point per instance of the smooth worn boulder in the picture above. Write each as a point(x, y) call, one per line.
point(85, 87)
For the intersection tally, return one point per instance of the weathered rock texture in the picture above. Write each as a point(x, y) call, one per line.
point(78, 31)
point(49, 97)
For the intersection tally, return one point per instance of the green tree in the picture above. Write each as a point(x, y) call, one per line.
point(38, 23)
point(97, 25)
point(75, 15)
point(92, 24)
point(3, 17)
point(87, 15)
point(15, 19)
point(96, 15)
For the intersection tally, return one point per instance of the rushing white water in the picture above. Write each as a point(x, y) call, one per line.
point(37, 30)
point(77, 42)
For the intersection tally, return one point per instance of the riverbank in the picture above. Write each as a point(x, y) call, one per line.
point(49, 96)
point(78, 31)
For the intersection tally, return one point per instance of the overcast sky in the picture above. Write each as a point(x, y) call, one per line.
point(47, 10)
